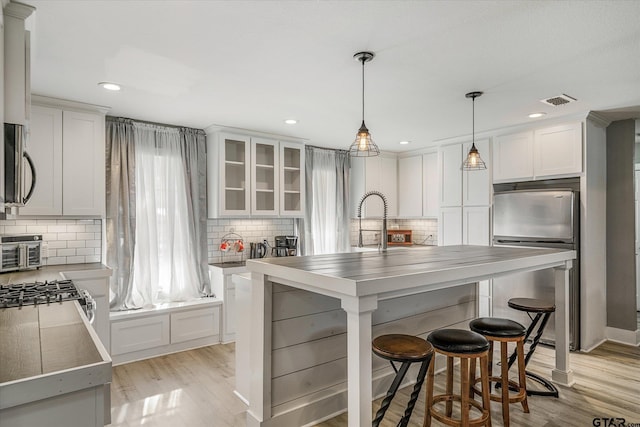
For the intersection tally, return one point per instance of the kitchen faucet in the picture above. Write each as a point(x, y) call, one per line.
point(384, 219)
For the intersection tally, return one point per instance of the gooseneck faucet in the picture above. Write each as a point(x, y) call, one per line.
point(383, 238)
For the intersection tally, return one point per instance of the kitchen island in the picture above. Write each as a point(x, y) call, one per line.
point(358, 285)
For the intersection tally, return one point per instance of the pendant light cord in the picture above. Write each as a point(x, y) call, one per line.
point(363, 61)
point(473, 121)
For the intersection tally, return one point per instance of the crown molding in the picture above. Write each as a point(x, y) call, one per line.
point(598, 119)
point(215, 128)
point(46, 101)
point(18, 10)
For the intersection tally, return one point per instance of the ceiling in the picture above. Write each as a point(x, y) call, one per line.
point(252, 64)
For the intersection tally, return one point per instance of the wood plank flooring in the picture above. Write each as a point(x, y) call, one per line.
point(195, 388)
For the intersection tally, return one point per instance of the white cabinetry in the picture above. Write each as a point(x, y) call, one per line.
point(550, 152)
point(264, 177)
point(223, 287)
point(16, 56)
point(254, 176)
point(378, 173)
point(418, 186)
point(450, 159)
point(512, 155)
point(465, 197)
point(558, 150)
point(292, 179)
point(144, 333)
point(410, 182)
point(64, 136)
point(430, 185)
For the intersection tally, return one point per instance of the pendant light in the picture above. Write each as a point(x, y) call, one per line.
point(473, 162)
point(363, 146)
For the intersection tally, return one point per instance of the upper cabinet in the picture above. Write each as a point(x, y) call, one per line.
point(464, 188)
point(418, 186)
point(558, 150)
point(410, 182)
point(292, 179)
point(254, 176)
point(264, 177)
point(379, 173)
point(550, 152)
point(17, 90)
point(67, 146)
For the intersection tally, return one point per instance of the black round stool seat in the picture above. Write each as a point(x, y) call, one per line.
point(497, 327)
point(532, 305)
point(402, 348)
point(458, 341)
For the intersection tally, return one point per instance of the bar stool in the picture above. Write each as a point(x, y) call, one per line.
point(504, 331)
point(405, 349)
point(542, 310)
point(466, 346)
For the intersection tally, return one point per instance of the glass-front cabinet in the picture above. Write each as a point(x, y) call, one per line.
point(235, 176)
point(264, 197)
point(251, 176)
point(292, 179)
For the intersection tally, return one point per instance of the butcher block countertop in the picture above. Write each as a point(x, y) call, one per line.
point(48, 350)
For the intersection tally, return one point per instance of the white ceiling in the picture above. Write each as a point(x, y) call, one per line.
point(252, 64)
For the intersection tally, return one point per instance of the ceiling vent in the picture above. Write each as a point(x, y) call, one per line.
point(556, 101)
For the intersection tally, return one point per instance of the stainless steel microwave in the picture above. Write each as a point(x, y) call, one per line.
point(15, 158)
point(20, 252)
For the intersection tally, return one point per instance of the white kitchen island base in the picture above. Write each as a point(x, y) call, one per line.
point(365, 284)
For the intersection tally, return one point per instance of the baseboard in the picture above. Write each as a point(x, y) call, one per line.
point(135, 356)
point(623, 336)
point(594, 346)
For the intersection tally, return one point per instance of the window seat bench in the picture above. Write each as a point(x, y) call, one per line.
point(163, 329)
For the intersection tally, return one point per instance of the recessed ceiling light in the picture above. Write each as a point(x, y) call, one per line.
point(404, 142)
point(291, 121)
point(536, 115)
point(109, 86)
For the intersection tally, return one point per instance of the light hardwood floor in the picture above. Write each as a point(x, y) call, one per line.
point(195, 388)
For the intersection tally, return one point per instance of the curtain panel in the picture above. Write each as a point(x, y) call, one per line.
point(121, 209)
point(326, 223)
point(160, 256)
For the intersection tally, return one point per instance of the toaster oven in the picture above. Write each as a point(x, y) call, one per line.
point(21, 252)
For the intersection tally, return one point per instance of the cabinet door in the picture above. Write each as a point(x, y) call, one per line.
point(430, 185)
point(450, 226)
point(292, 179)
point(234, 193)
point(381, 175)
point(410, 183)
point(45, 148)
point(512, 157)
point(450, 159)
point(476, 189)
point(475, 226)
point(83, 161)
point(264, 177)
point(558, 150)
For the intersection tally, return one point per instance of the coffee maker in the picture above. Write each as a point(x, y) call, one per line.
point(285, 246)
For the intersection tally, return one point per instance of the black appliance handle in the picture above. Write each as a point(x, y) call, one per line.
point(33, 178)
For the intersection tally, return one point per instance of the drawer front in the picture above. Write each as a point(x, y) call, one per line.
point(139, 334)
point(194, 324)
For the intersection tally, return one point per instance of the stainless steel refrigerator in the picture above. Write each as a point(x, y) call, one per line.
point(546, 218)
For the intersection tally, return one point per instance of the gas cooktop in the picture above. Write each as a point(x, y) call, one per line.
point(18, 295)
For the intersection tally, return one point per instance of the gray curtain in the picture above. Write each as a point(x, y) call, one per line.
point(195, 163)
point(121, 209)
point(121, 141)
point(323, 166)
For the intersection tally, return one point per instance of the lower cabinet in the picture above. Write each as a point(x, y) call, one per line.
point(151, 333)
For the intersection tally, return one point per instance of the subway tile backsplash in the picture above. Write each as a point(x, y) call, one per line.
point(251, 230)
point(67, 241)
point(423, 231)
